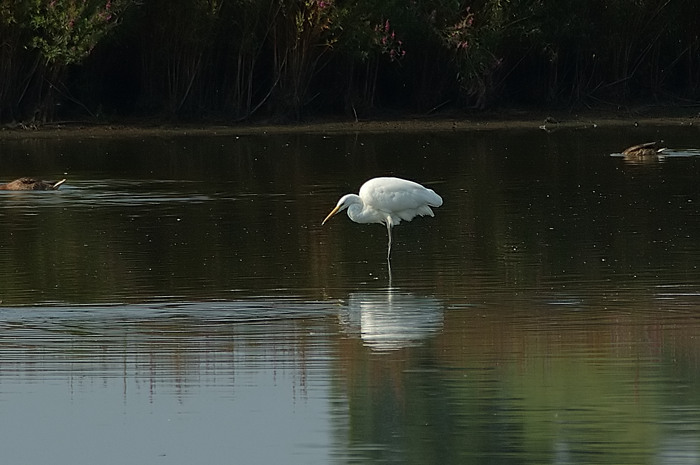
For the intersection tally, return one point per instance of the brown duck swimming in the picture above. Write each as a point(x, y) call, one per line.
point(650, 149)
point(30, 184)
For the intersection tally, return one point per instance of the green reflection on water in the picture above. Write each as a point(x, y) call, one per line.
point(562, 283)
point(513, 387)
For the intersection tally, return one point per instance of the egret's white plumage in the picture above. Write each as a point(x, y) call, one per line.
point(388, 201)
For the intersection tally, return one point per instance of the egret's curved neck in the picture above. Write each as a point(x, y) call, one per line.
point(357, 210)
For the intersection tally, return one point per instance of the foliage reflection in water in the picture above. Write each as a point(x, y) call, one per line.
point(180, 296)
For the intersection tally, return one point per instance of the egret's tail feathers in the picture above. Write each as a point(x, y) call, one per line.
point(434, 200)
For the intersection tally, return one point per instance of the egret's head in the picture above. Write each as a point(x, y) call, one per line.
point(344, 202)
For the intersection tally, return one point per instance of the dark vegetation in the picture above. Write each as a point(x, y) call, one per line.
point(233, 60)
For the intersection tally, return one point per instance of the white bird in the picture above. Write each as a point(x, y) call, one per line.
point(388, 201)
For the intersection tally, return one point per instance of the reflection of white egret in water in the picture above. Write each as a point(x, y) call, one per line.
point(388, 201)
point(390, 319)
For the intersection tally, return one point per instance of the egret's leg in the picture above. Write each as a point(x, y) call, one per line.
point(388, 230)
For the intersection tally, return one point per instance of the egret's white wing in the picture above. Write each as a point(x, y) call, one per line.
point(400, 198)
point(394, 194)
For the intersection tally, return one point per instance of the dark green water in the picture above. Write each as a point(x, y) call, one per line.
point(178, 301)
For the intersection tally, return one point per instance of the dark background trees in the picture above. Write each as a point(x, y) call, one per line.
point(233, 60)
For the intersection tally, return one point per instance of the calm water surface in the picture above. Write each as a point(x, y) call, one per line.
point(178, 301)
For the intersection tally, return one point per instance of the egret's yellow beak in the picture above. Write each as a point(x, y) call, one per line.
point(333, 212)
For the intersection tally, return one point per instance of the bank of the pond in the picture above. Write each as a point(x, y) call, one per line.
point(512, 120)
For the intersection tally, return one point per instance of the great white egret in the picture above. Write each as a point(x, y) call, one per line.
point(387, 201)
point(30, 184)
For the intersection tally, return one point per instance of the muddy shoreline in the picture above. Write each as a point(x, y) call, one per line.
point(513, 120)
